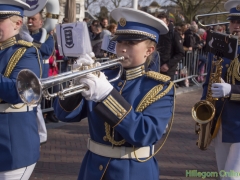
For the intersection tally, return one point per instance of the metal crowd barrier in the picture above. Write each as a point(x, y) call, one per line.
point(187, 70)
point(188, 67)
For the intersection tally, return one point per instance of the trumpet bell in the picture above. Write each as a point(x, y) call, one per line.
point(28, 87)
point(203, 112)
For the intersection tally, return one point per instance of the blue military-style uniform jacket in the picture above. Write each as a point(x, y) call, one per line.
point(19, 139)
point(227, 107)
point(145, 101)
point(45, 48)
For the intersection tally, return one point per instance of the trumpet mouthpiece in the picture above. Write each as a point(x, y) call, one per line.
point(30, 24)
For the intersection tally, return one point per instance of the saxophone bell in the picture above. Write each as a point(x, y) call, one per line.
point(203, 112)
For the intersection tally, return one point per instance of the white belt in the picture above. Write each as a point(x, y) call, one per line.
point(121, 152)
point(21, 107)
point(46, 61)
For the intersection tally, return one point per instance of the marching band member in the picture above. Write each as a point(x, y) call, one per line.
point(19, 140)
point(227, 141)
point(45, 44)
point(126, 118)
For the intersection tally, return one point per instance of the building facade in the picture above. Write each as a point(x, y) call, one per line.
point(79, 5)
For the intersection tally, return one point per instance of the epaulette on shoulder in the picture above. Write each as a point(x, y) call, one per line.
point(157, 76)
point(25, 43)
point(157, 92)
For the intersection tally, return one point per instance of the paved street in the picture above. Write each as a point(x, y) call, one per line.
point(62, 155)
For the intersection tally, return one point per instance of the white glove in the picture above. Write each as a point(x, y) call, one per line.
point(91, 54)
point(25, 35)
point(220, 89)
point(85, 60)
point(99, 87)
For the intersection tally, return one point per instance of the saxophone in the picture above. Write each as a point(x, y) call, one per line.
point(203, 111)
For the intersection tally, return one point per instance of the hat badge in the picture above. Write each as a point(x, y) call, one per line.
point(238, 7)
point(122, 22)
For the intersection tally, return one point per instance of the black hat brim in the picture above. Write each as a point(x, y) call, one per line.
point(233, 18)
point(129, 37)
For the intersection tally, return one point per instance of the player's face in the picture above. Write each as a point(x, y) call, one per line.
point(7, 29)
point(134, 52)
point(234, 27)
point(35, 22)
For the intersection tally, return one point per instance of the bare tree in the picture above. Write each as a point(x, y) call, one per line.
point(120, 3)
point(89, 3)
point(190, 8)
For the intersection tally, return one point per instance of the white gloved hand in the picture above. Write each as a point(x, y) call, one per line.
point(24, 34)
point(99, 87)
point(84, 60)
point(220, 89)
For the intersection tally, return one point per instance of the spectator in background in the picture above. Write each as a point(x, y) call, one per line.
point(183, 29)
point(65, 20)
point(87, 20)
point(97, 41)
point(112, 28)
point(189, 39)
point(219, 29)
point(202, 57)
point(104, 23)
point(170, 48)
point(91, 29)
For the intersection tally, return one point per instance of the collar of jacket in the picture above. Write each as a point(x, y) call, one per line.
point(135, 72)
point(9, 42)
point(35, 32)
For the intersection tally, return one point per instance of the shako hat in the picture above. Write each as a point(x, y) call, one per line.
point(9, 8)
point(233, 6)
point(137, 25)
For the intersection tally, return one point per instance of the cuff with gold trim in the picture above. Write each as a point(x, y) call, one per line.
point(113, 108)
point(70, 103)
point(37, 44)
point(235, 93)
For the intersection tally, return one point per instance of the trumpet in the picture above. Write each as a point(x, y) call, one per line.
point(30, 88)
point(211, 14)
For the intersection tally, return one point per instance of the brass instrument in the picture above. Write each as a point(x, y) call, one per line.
point(203, 112)
point(211, 14)
point(31, 89)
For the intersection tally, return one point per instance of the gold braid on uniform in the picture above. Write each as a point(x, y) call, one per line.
point(151, 97)
point(233, 72)
point(111, 138)
point(29, 44)
point(24, 43)
point(148, 99)
point(13, 62)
